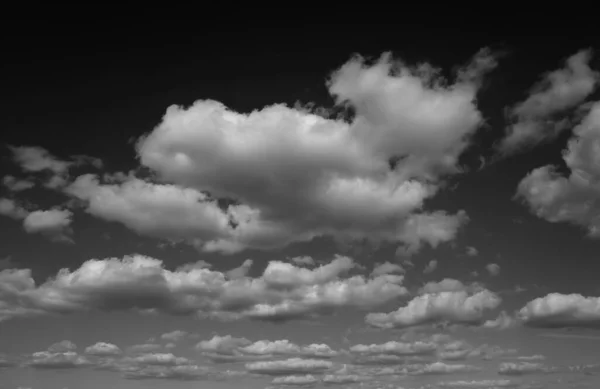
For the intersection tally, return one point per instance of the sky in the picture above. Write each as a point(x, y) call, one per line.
point(401, 207)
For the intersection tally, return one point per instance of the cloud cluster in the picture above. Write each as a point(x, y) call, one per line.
point(560, 310)
point(228, 349)
point(282, 292)
point(53, 223)
point(457, 306)
point(574, 198)
point(535, 119)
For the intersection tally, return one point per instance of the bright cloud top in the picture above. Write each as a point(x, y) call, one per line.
point(142, 283)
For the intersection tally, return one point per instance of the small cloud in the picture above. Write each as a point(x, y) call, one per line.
point(174, 336)
point(103, 349)
point(291, 366)
point(493, 269)
point(303, 261)
point(62, 346)
point(472, 251)
point(14, 184)
point(431, 266)
point(386, 268)
point(502, 322)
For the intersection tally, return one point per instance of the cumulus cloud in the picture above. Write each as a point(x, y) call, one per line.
point(431, 266)
point(522, 368)
point(57, 360)
point(295, 380)
point(459, 307)
point(291, 366)
point(502, 322)
point(562, 310)
point(37, 160)
point(283, 292)
point(472, 251)
point(60, 355)
point(304, 260)
point(174, 336)
point(285, 347)
point(438, 368)
point(396, 348)
point(493, 269)
point(103, 349)
point(446, 285)
point(14, 184)
point(162, 366)
point(572, 198)
point(54, 223)
point(535, 119)
point(368, 176)
point(226, 349)
point(478, 384)
point(10, 208)
point(62, 346)
point(386, 268)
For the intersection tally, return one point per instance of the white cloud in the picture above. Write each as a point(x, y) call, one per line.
point(54, 223)
point(10, 208)
point(285, 347)
point(560, 310)
point(279, 164)
point(304, 260)
point(431, 266)
point(536, 357)
point(227, 349)
point(386, 268)
point(535, 118)
point(341, 379)
point(478, 384)
point(573, 198)
point(502, 322)
point(62, 346)
point(14, 184)
point(396, 348)
point(522, 368)
point(160, 359)
point(295, 380)
point(446, 285)
point(456, 307)
point(289, 366)
point(37, 159)
point(472, 251)
point(138, 282)
point(103, 349)
point(57, 360)
point(433, 228)
point(174, 336)
point(493, 269)
point(436, 368)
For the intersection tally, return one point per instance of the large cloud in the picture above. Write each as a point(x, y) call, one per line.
point(560, 310)
point(574, 198)
point(290, 175)
point(446, 306)
point(535, 118)
point(283, 292)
